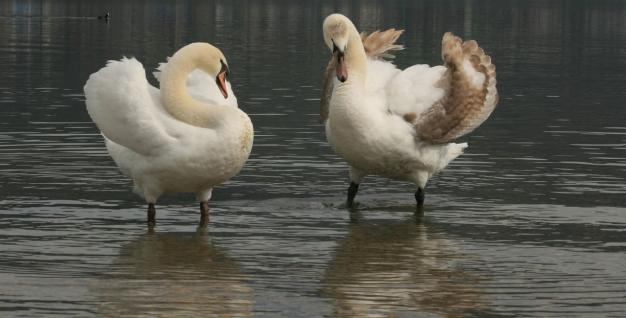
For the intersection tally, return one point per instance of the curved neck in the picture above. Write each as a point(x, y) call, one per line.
point(356, 60)
point(177, 100)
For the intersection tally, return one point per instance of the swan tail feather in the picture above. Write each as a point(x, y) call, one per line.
point(452, 151)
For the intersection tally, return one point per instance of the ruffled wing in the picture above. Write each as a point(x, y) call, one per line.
point(120, 102)
point(445, 103)
point(380, 44)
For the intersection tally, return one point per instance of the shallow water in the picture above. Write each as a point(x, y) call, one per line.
point(531, 221)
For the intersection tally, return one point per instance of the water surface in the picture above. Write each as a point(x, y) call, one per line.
point(531, 221)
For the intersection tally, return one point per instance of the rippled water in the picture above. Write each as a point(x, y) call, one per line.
point(531, 221)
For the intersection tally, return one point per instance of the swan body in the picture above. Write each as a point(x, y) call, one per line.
point(395, 123)
point(187, 136)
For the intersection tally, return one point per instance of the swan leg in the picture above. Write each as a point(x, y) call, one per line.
point(149, 190)
point(420, 178)
point(419, 197)
point(204, 196)
point(356, 176)
point(204, 213)
point(151, 214)
point(352, 190)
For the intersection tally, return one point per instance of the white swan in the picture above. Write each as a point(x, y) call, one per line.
point(189, 136)
point(400, 124)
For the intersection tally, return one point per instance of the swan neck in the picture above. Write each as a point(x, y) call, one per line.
point(356, 58)
point(175, 97)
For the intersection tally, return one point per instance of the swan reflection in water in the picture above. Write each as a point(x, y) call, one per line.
point(391, 268)
point(174, 274)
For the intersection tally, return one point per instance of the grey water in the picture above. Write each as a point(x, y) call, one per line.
point(530, 222)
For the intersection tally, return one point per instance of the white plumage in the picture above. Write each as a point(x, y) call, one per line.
point(202, 87)
point(186, 137)
point(400, 123)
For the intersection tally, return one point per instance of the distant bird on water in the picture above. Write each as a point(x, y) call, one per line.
point(401, 124)
point(189, 136)
point(106, 17)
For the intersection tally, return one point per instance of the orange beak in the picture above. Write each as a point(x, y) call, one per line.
point(220, 80)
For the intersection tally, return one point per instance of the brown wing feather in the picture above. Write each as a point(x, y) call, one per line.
point(327, 89)
point(377, 44)
point(464, 106)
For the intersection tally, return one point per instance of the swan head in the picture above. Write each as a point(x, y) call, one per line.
point(336, 34)
point(210, 60)
point(213, 62)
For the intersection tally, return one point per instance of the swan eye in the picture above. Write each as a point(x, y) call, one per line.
point(224, 69)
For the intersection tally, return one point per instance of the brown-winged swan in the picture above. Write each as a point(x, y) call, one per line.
point(400, 124)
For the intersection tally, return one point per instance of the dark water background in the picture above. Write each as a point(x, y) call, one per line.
point(531, 221)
